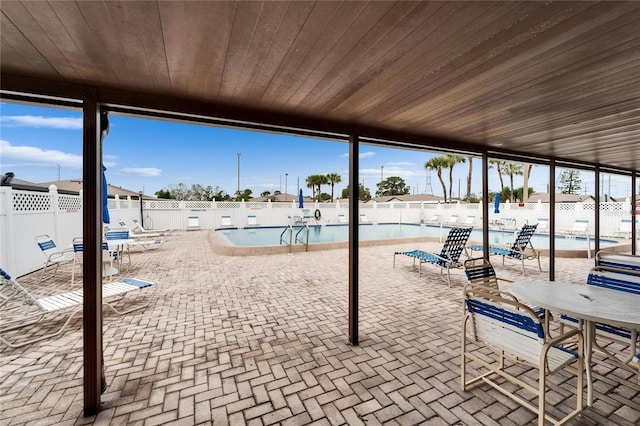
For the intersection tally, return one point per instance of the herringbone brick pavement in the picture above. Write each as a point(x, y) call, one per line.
point(263, 340)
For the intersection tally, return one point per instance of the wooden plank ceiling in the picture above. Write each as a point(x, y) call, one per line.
point(549, 78)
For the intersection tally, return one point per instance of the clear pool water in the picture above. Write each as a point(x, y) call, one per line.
point(270, 236)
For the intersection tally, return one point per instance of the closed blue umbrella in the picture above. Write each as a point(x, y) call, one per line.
point(496, 204)
point(105, 198)
point(300, 200)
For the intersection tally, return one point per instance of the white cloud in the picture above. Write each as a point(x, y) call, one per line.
point(69, 123)
point(141, 171)
point(367, 154)
point(30, 155)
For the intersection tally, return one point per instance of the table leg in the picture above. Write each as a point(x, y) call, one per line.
point(589, 334)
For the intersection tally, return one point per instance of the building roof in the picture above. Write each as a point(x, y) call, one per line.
point(74, 186)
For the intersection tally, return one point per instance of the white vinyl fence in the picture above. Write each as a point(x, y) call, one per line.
point(26, 214)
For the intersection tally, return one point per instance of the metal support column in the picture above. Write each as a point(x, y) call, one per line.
point(634, 215)
point(552, 220)
point(485, 206)
point(354, 223)
point(92, 262)
point(596, 215)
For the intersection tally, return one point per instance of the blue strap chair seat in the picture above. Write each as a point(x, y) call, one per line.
point(448, 258)
point(521, 249)
point(498, 333)
point(616, 279)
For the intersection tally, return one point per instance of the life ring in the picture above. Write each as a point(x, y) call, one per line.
point(317, 214)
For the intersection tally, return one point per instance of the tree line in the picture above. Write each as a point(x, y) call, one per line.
point(569, 183)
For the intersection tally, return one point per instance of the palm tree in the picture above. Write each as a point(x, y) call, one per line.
point(512, 169)
point(333, 179)
point(437, 164)
point(498, 164)
point(452, 160)
point(314, 181)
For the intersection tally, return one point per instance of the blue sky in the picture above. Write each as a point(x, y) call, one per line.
point(37, 143)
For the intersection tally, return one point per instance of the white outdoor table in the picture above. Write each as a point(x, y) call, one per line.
point(119, 247)
point(585, 302)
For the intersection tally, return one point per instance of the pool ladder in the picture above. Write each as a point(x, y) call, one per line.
point(298, 238)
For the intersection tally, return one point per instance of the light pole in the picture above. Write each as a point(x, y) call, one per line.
point(238, 175)
point(381, 173)
point(286, 185)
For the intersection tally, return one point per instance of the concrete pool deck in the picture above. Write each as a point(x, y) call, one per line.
point(262, 340)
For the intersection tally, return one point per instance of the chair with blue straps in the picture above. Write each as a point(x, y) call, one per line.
point(449, 256)
point(53, 255)
point(498, 333)
point(618, 260)
point(481, 274)
point(616, 279)
point(21, 309)
point(521, 249)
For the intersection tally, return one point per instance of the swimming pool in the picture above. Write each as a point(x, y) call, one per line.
point(270, 236)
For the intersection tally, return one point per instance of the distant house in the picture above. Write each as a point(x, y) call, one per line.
point(73, 187)
point(281, 198)
point(561, 198)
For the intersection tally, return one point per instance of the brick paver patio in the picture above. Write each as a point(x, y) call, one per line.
point(263, 340)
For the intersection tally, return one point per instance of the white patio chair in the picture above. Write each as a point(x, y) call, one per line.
point(33, 309)
point(138, 228)
point(470, 220)
point(498, 332)
point(342, 218)
point(225, 221)
point(543, 224)
point(53, 255)
point(453, 219)
point(252, 220)
point(135, 231)
point(625, 227)
point(363, 218)
point(193, 223)
point(107, 259)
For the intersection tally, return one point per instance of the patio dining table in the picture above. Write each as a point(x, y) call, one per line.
point(590, 304)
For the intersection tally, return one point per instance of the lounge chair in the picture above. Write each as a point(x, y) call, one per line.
point(193, 223)
point(363, 218)
point(625, 229)
point(543, 224)
point(342, 218)
point(504, 223)
point(252, 220)
point(34, 309)
point(506, 333)
point(53, 255)
point(448, 258)
point(521, 249)
point(225, 221)
point(453, 219)
point(470, 220)
point(435, 219)
point(580, 227)
point(137, 234)
point(138, 228)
